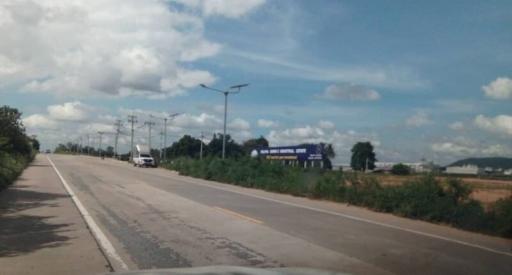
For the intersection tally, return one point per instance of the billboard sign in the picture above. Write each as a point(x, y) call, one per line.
point(305, 152)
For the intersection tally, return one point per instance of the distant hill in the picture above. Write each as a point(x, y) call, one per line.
point(497, 162)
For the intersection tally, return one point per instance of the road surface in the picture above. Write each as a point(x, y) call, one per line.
point(155, 218)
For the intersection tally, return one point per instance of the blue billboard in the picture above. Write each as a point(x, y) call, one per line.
point(306, 152)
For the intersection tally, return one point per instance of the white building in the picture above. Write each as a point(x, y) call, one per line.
point(464, 170)
point(416, 167)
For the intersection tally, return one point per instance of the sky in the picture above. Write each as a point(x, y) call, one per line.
point(420, 80)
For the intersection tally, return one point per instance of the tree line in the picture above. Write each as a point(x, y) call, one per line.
point(17, 149)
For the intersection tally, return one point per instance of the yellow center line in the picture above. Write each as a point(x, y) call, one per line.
point(233, 213)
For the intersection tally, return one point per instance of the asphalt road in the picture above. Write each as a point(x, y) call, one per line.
point(157, 219)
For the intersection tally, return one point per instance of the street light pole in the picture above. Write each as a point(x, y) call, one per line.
point(164, 150)
point(225, 120)
point(165, 133)
point(232, 90)
point(201, 148)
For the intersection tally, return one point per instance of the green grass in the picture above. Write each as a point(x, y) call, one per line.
point(11, 166)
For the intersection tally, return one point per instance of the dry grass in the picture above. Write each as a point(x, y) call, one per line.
point(484, 190)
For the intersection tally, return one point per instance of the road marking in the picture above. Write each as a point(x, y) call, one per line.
point(434, 236)
point(238, 215)
point(100, 237)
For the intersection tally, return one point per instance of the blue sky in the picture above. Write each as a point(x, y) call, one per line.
point(420, 80)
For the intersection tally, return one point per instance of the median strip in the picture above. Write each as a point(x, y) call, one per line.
point(233, 213)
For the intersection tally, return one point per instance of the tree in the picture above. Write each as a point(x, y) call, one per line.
point(328, 154)
point(35, 143)
point(233, 149)
point(12, 132)
point(362, 156)
point(187, 146)
point(254, 143)
point(400, 169)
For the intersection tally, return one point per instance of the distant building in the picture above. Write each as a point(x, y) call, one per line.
point(416, 167)
point(507, 172)
point(464, 170)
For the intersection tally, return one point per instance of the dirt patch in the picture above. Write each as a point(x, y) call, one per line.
point(487, 196)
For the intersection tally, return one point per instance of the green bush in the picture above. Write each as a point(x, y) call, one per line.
point(424, 198)
point(400, 169)
point(500, 216)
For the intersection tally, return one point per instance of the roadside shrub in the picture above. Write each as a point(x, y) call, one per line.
point(457, 190)
point(363, 191)
point(500, 216)
point(425, 198)
point(469, 215)
point(330, 186)
point(400, 169)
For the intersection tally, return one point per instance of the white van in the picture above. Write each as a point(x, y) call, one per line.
point(142, 157)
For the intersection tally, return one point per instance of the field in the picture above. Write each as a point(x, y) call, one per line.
point(484, 190)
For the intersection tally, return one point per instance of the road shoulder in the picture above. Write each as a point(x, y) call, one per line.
point(41, 231)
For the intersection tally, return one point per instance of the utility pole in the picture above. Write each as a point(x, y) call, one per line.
point(232, 90)
point(118, 125)
point(88, 145)
point(149, 123)
point(80, 146)
point(201, 148)
point(164, 150)
point(132, 119)
point(101, 136)
point(162, 134)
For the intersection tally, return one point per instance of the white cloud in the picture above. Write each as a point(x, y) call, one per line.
point(325, 124)
point(226, 8)
point(497, 150)
point(378, 76)
point(265, 123)
point(218, 109)
point(499, 124)
point(501, 88)
point(38, 121)
point(461, 146)
point(457, 126)
point(349, 92)
point(203, 121)
point(453, 149)
point(75, 48)
point(239, 124)
point(72, 111)
point(420, 118)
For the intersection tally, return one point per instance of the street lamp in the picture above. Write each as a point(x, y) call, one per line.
point(232, 90)
point(172, 116)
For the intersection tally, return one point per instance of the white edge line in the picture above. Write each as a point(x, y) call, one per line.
point(358, 219)
point(100, 237)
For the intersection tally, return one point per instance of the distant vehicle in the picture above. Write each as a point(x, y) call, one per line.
point(48, 151)
point(142, 157)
